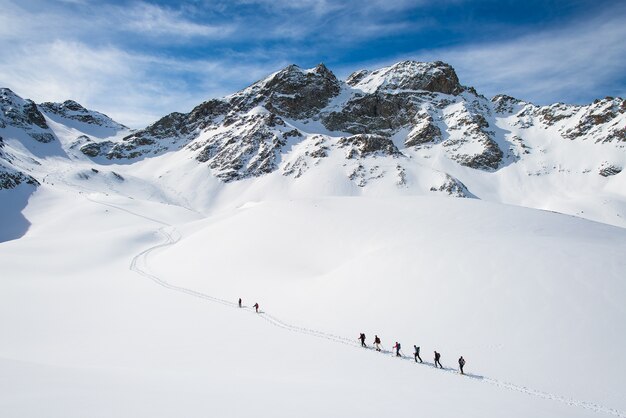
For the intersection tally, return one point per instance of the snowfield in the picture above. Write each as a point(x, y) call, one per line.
point(124, 307)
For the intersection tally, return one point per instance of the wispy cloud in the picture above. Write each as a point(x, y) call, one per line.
point(133, 88)
point(152, 20)
point(571, 64)
point(574, 63)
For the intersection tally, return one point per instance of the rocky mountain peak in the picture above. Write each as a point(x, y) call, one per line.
point(71, 109)
point(505, 104)
point(23, 114)
point(354, 78)
point(296, 93)
point(436, 76)
point(323, 70)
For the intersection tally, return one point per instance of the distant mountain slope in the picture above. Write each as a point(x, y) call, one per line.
point(410, 128)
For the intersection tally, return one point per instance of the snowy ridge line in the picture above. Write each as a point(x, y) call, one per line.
point(139, 265)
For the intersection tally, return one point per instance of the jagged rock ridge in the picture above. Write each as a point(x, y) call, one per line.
point(247, 133)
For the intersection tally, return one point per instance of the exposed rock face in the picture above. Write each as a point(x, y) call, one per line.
point(470, 142)
point(425, 131)
point(609, 170)
point(11, 178)
point(437, 77)
point(601, 114)
point(452, 187)
point(389, 98)
point(298, 95)
point(250, 147)
point(505, 104)
point(377, 113)
point(359, 146)
point(94, 149)
point(292, 92)
point(170, 132)
point(24, 115)
point(69, 109)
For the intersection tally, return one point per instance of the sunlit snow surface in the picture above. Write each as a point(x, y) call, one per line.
point(533, 300)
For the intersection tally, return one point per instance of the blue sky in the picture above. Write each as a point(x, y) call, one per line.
point(139, 60)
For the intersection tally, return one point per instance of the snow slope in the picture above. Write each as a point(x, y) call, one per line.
point(129, 309)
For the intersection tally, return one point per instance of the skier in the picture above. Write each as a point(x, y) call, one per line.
point(417, 354)
point(240, 302)
point(362, 338)
point(256, 307)
point(437, 357)
point(461, 364)
point(397, 348)
point(377, 342)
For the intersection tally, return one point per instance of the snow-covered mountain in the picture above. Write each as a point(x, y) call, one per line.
point(123, 253)
point(408, 106)
point(408, 129)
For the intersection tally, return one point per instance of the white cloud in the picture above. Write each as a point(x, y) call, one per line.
point(134, 89)
point(576, 63)
point(573, 64)
point(152, 20)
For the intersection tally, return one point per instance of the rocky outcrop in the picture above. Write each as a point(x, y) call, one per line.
point(599, 121)
point(470, 142)
point(366, 145)
point(505, 104)
point(292, 92)
point(250, 147)
point(377, 113)
point(170, 132)
point(437, 77)
point(72, 110)
point(424, 132)
point(452, 187)
point(608, 170)
point(10, 179)
point(24, 115)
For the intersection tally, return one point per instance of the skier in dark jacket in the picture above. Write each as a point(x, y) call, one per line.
point(417, 354)
point(437, 357)
point(461, 364)
point(256, 307)
point(362, 338)
point(397, 348)
point(377, 342)
point(240, 302)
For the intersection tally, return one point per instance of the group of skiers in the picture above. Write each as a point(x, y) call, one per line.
point(397, 346)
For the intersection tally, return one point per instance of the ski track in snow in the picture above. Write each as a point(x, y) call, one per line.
point(139, 265)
